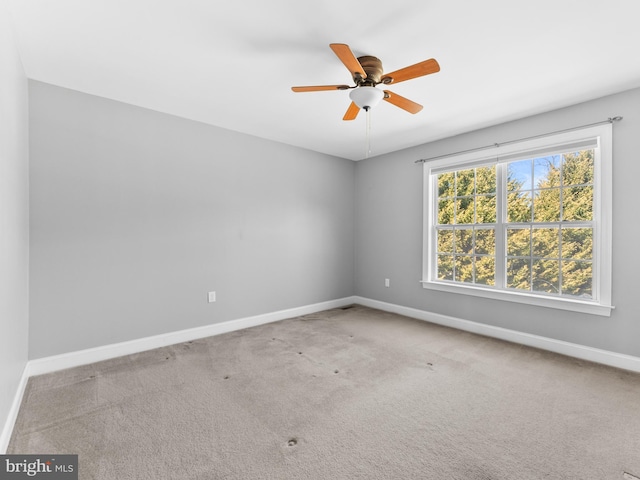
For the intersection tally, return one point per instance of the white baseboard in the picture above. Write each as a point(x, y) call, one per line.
point(5, 434)
point(605, 357)
point(83, 357)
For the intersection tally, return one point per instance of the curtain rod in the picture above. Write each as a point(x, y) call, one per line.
point(609, 120)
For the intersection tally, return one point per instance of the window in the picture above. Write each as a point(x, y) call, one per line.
point(526, 222)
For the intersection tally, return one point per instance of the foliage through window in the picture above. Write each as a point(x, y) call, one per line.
point(528, 223)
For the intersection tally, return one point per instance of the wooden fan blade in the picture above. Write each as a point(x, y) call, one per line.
point(347, 57)
point(352, 112)
point(319, 88)
point(414, 71)
point(403, 103)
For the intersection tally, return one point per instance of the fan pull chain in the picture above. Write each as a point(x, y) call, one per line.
point(368, 134)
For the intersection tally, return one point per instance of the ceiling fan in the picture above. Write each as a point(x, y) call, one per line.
point(367, 73)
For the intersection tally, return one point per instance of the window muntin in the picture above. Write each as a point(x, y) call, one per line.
point(531, 225)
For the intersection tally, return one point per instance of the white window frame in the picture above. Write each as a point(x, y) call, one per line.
point(597, 137)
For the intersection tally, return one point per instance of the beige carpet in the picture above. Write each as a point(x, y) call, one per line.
point(344, 394)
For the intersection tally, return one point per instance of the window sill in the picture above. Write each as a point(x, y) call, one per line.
point(580, 306)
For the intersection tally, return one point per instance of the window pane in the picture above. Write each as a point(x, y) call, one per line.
point(486, 180)
point(546, 206)
point(446, 212)
point(486, 209)
point(446, 184)
point(577, 278)
point(519, 175)
point(518, 242)
point(518, 273)
point(577, 243)
point(464, 241)
point(577, 168)
point(445, 267)
point(445, 241)
point(519, 207)
point(546, 276)
point(546, 172)
point(464, 269)
point(546, 243)
point(465, 209)
point(465, 180)
point(577, 204)
point(485, 270)
point(485, 241)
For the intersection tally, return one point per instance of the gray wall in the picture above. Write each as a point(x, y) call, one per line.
point(14, 219)
point(136, 215)
point(389, 231)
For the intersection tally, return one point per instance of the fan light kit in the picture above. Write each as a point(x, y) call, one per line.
point(366, 97)
point(367, 73)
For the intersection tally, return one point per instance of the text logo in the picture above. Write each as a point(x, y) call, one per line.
point(49, 467)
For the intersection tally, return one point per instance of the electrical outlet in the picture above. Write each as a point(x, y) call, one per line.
point(212, 297)
point(387, 282)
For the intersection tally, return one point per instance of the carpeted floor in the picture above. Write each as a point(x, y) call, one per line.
point(350, 393)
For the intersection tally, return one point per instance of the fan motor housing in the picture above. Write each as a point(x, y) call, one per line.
point(372, 67)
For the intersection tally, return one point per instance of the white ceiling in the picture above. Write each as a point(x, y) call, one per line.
point(232, 63)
